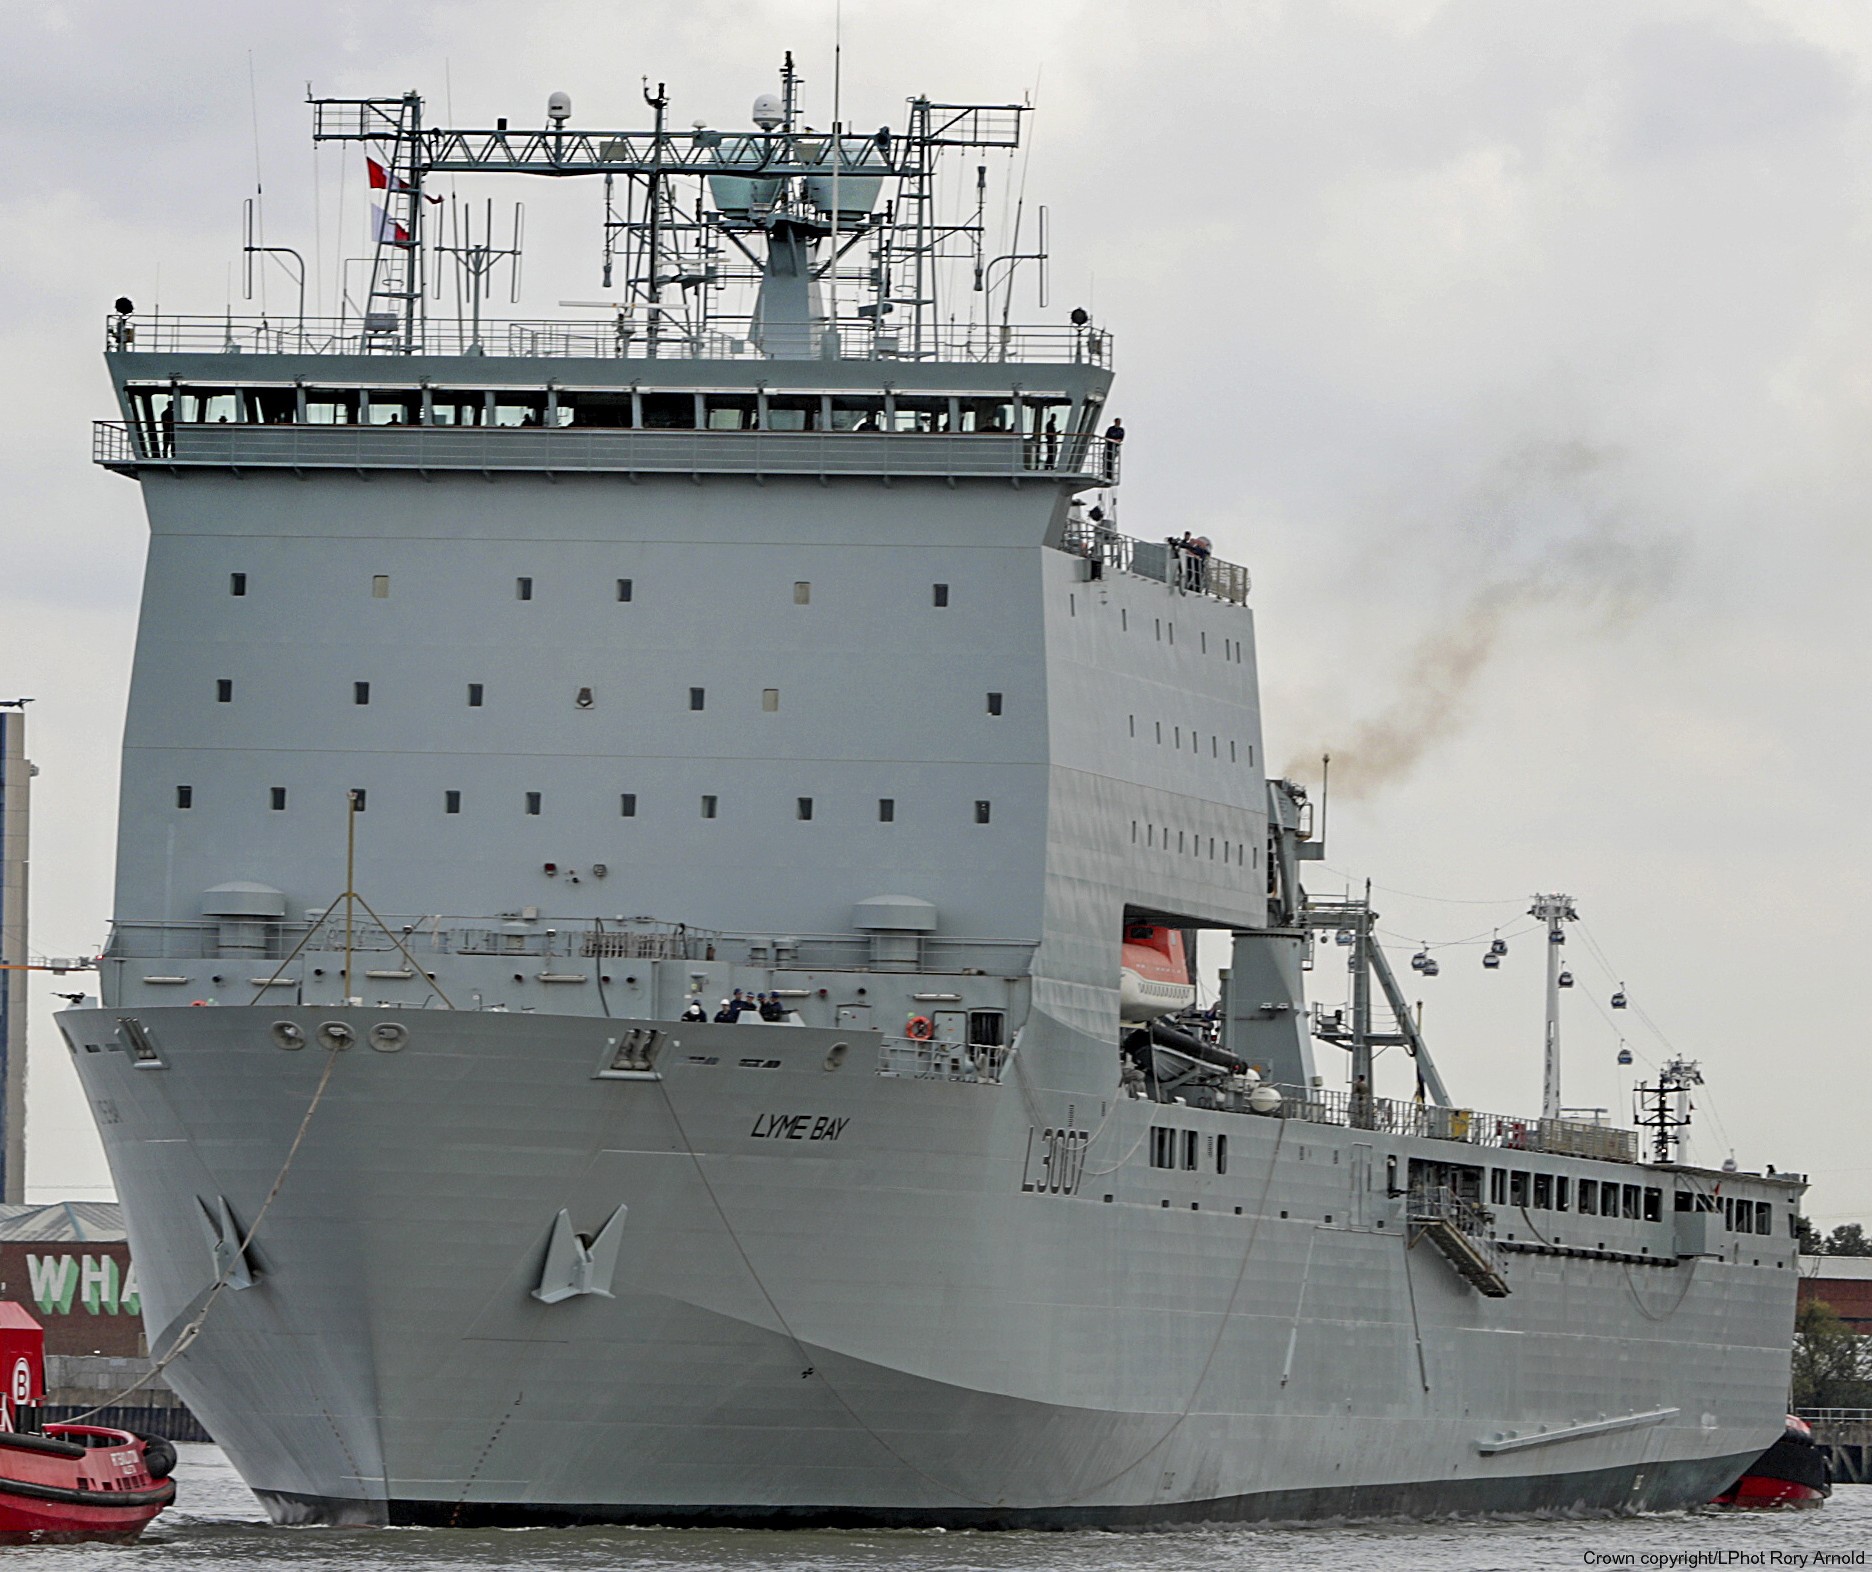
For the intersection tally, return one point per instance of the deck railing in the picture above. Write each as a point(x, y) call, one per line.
point(907, 1056)
point(572, 449)
point(1163, 560)
point(1396, 1116)
point(726, 339)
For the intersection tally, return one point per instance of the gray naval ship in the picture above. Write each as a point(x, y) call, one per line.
point(510, 697)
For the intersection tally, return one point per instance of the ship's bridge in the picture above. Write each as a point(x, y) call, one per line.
point(567, 399)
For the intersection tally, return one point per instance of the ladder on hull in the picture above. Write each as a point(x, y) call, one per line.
point(1459, 1230)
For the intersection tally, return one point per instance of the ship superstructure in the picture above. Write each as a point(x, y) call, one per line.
point(511, 700)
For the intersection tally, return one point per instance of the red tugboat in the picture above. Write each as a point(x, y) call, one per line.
point(68, 1482)
point(1791, 1473)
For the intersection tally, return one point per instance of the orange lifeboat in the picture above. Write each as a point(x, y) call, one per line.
point(1155, 975)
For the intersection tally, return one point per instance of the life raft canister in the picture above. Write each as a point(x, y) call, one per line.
point(921, 1029)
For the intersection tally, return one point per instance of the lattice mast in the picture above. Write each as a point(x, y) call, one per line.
point(781, 211)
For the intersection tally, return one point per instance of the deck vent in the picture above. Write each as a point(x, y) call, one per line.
point(246, 915)
point(896, 924)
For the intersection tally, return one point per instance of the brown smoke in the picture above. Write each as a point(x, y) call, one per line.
point(1574, 550)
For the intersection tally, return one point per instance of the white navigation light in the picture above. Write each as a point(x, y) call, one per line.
point(767, 112)
point(558, 108)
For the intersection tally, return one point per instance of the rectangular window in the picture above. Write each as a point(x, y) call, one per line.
point(769, 699)
point(360, 693)
point(1498, 1186)
point(1654, 1205)
point(475, 692)
point(1231, 753)
point(1562, 1187)
point(237, 584)
point(627, 805)
point(277, 796)
point(625, 589)
point(1191, 1143)
point(981, 812)
point(697, 698)
point(803, 807)
point(357, 795)
point(185, 796)
point(1764, 1217)
point(451, 802)
point(887, 810)
point(533, 803)
point(987, 1028)
point(939, 594)
point(1162, 1147)
point(994, 704)
point(708, 807)
point(1630, 1197)
point(802, 593)
point(1221, 1154)
point(224, 690)
point(1518, 1188)
point(1543, 1192)
point(1589, 1197)
point(380, 586)
point(523, 589)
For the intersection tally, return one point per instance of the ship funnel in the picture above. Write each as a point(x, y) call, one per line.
point(246, 915)
point(896, 924)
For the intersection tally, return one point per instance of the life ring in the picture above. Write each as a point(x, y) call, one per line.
point(921, 1029)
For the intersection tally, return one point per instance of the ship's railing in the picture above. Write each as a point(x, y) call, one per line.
point(976, 455)
point(1166, 561)
point(1396, 1116)
point(727, 339)
point(934, 1061)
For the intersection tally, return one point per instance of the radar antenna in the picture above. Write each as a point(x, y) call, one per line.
point(1664, 1107)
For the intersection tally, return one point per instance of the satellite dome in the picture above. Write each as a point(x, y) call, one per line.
point(767, 112)
point(558, 108)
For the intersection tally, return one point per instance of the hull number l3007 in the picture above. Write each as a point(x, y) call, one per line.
point(1055, 1160)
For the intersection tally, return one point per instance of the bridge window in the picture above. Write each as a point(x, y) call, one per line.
point(185, 796)
point(731, 411)
point(606, 411)
point(856, 414)
point(237, 584)
point(987, 415)
point(533, 804)
point(627, 805)
point(519, 409)
point(224, 690)
point(887, 810)
point(331, 407)
point(795, 412)
point(276, 796)
point(1518, 1188)
point(669, 411)
point(1630, 1198)
point(211, 406)
point(451, 802)
point(1653, 1205)
point(1543, 1192)
point(1561, 1186)
point(1589, 1197)
point(926, 416)
point(1764, 1217)
point(392, 409)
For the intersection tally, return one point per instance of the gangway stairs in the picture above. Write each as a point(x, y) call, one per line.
point(1460, 1230)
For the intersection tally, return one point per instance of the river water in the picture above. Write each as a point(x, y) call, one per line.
point(217, 1524)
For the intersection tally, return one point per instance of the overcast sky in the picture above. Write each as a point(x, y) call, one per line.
point(1521, 350)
